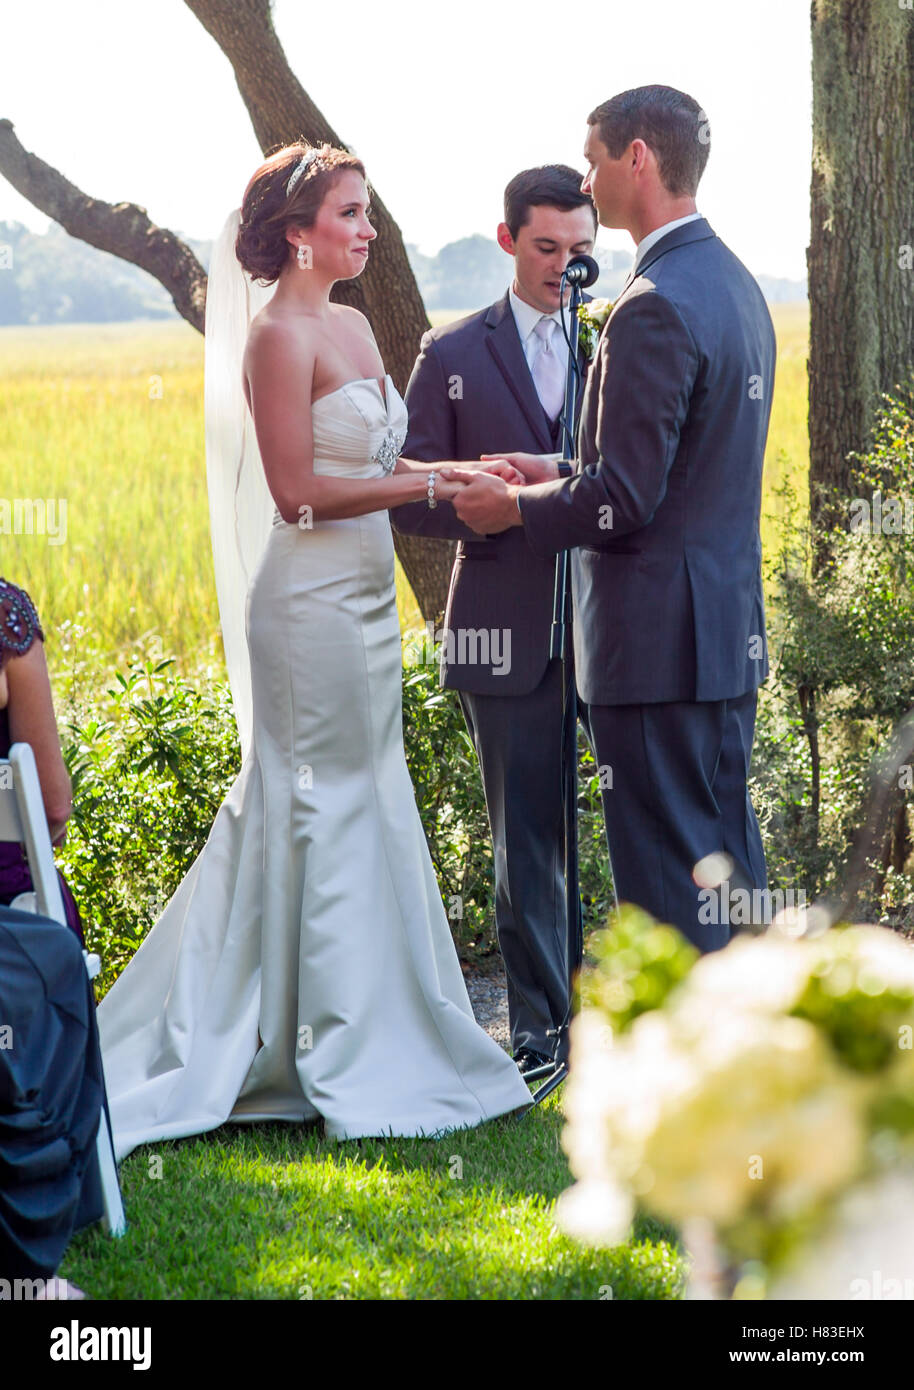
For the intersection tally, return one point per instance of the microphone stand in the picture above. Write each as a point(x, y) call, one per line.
point(562, 648)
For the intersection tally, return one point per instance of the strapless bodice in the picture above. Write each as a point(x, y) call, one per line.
point(358, 433)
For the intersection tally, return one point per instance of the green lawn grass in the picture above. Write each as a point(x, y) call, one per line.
point(276, 1211)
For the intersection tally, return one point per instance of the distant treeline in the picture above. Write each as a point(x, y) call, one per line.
point(55, 278)
point(474, 271)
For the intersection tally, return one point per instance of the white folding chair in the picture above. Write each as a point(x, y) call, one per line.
point(22, 819)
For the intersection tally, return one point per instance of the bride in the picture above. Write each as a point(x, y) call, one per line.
point(304, 967)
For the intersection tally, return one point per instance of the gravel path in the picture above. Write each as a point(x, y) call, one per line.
point(489, 997)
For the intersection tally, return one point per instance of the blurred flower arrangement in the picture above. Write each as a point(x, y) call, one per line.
point(743, 1094)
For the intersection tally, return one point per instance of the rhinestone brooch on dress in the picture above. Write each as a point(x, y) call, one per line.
point(389, 451)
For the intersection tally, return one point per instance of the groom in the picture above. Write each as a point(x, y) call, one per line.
point(663, 515)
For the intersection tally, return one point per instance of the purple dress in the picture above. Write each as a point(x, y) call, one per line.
point(19, 627)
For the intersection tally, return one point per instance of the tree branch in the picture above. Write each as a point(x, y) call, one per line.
point(281, 111)
point(123, 229)
point(278, 105)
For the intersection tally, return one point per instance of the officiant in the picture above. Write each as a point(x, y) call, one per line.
point(488, 383)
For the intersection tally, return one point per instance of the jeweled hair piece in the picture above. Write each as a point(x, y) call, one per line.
point(305, 161)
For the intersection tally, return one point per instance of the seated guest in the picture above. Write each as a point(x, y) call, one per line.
point(27, 716)
point(51, 1094)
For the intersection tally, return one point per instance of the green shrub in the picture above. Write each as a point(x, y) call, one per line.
point(445, 774)
point(841, 640)
point(150, 765)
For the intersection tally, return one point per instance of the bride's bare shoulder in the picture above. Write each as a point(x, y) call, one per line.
point(352, 318)
point(278, 358)
point(272, 334)
point(270, 324)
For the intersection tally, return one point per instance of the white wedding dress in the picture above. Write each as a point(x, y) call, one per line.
point(305, 965)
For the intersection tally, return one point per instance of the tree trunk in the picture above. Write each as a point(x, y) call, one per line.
point(901, 838)
point(860, 258)
point(281, 111)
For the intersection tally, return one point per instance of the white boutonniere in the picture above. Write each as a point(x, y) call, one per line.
point(592, 316)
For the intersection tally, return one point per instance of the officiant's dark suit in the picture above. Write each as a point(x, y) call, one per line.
point(470, 393)
point(669, 628)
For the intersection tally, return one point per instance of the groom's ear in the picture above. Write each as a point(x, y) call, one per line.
point(505, 239)
point(641, 155)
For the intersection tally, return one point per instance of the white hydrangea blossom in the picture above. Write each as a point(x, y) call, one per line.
point(721, 1104)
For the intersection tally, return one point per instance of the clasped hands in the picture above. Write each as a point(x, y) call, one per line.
point(484, 494)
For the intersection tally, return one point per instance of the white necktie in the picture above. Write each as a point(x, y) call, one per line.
point(547, 371)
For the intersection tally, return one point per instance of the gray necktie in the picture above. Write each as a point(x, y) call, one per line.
point(547, 371)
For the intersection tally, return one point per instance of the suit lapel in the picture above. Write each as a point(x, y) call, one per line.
point(679, 236)
point(503, 341)
point(698, 230)
point(629, 281)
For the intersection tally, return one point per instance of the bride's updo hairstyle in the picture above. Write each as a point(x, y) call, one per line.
point(269, 208)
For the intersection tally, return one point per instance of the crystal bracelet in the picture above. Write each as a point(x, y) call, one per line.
point(432, 479)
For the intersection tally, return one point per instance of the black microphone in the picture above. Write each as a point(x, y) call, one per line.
point(581, 270)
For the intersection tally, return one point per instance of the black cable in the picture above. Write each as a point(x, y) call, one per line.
point(568, 434)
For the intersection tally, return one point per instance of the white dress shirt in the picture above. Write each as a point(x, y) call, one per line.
point(645, 244)
point(526, 318)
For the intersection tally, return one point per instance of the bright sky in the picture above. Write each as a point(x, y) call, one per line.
point(444, 102)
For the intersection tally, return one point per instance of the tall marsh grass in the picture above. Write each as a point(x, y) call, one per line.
point(109, 418)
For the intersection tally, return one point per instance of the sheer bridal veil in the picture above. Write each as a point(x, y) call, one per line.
point(240, 505)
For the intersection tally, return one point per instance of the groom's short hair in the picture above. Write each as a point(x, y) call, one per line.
point(550, 185)
point(670, 122)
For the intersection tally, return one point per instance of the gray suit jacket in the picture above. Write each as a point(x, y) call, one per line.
point(471, 393)
point(664, 509)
